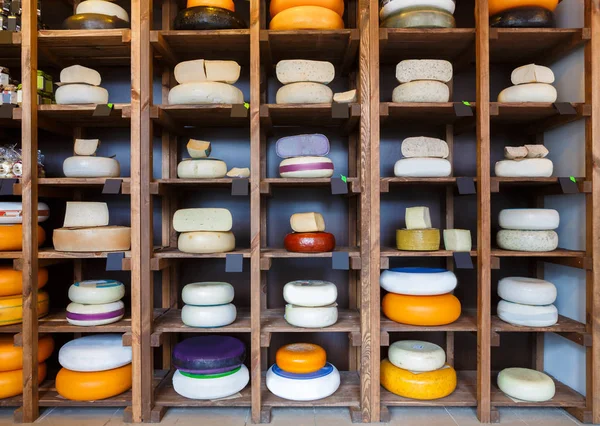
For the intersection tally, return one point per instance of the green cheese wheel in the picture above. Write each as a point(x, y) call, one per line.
point(93, 21)
point(524, 17)
point(420, 17)
point(208, 18)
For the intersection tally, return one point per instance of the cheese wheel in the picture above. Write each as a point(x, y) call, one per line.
point(207, 293)
point(457, 239)
point(78, 74)
point(392, 7)
point(528, 291)
point(303, 387)
point(98, 352)
point(93, 21)
point(423, 69)
point(89, 167)
point(420, 18)
point(81, 94)
point(422, 386)
point(418, 239)
point(206, 242)
point(422, 167)
point(310, 293)
point(11, 281)
point(280, 5)
point(313, 145)
point(417, 218)
point(524, 17)
point(301, 358)
point(102, 8)
point(421, 310)
point(302, 70)
point(93, 315)
point(190, 71)
point(222, 385)
point(209, 354)
point(345, 97)
point(536, 151)
point(96, 292)
point(529, 167)
point(11, 237)
point(526, 385)
point(104, 238)
point(423, 146)
point(532, 74)
point(418, 281)
point(201, 168)
point(304, 93)
point(208, 316)
point(306, 167)
point(313, 317)
point(11, 356)
point(208, 18)
point(497, 6)
point(93, 386)
point(83, 214)
point(421, 91)
point(12, 212)
point(11, 308)
point(198, 149)
point(307, 222)
point(309, 242)
point(223, 4)
point(200, 70)
point(207, 219)
point(527, 315)
point(527, 240)
point(529, 219)
point(531, 92)
point(205, 92)
point(307, 18)
point(416, 356)
point(11, 382)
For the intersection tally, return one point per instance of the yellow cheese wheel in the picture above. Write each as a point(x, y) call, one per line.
point(11, 308)
point(78, 386)
point(421, 310)
point(418, 239)
point(101, 238)
point(223, 4)
point(11, 237)
point(425, 386)
point(11, 281)
point(497, 6)
point(11, 356)
point(301, 358)
point(280, 5)
point(307, 18)
point(11, 382)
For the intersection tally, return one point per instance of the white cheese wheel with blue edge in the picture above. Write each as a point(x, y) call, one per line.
point(11, 212)
point(311, 317)
point(205, 92)
point(99, 352)
point(91, 167)
point(529, 219)
point(527, 291)
point(389, 8)
point(528, 167)
point(422, 167)
point(310, 293)
point(416, 355)
point(201, 168)
point(96, 292)
point(530, 92)
point(303, 387)
point(81, 94)
point(527, 315)
point(526, 384)
point(207, 293)
point(211, 386)
point(418, 281)
point(208, 316)
point(102, 8)
point(94, 315)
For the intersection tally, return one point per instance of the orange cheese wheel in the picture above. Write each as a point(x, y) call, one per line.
point(11, 237)
point(301, 358)
point(497, 6)
point(11, 356)
point(11, 281)
point(280, 5)
point(421, 310)
point(11, 382)
point(78, 386)
point(307, 18)
point(424, 386)
point(11, 308)
point(223, 4)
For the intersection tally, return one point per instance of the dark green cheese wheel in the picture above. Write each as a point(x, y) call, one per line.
point(208, 18)
point(94, 21)
point(524, 17)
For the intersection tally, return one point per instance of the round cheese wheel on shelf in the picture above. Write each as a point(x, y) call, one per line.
point(11, 281)
point(392, 7)
point(202, 219)
point(421, 91)
point(306, 167)
point(529, 167)
point(201, 168)
point(93, 21)
point(223, 4)
point(422, 167)
point(92, 315)
point(420, 18)
point(103, 8)
point(96, 292)
point(309, 242)
point(11, 212)
point(310, 293)
point(211, 386)
point(528, 291)
point(208, 316)
point(93, 386)
point(530, 92)
point(11, 308)
point(11, 382)
point(524, 17)
point(98, 352)
point(529, 219)
point(11, 237)
point(206, 242)
point(306, 18)
point(497, 6)
point(301, 358)
point(313, 317)
point(303, 387)
point(423, 386)
point(83, 166)
point(280, 5)
point(418, 239)
point(208, 18)
point(209, 354)
point(313, 145)
point(421, 310)
point(526, 384)
point(527, 240)
point(527, 315)
point(205, 92)
point(81, 94)
point(304, 92)
point(207, 293)
point(11, 356)
point(103, 238)
point(418, 281)
point(416, 356)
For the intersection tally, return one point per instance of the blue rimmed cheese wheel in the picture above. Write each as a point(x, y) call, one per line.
point(527, 291)
point(209, 354)
point(99, 352)
point(527, 315)
point(211, 386)
point(208, 316)
point(389, 8)
point(310, 293)
point(526, 384)
point(12, 212)
point(418, 281)
point(529, 219)
point(313, 317)
point(306, 167)
point(527, 240)
point(303, 387)
point(96, 292)
point(207, 293)
point(91, 315)
point(417, 356)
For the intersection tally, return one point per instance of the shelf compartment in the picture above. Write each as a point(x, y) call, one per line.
point(15, 401)
point(466, 322)
point(162, 186)
point(308, 114)
point(268, 254)
point(49, 397)
point(179, 118)
point(386, 182)
point(555, 253)
point(433, 113)
point(10, 50)
point(392, 252)
point(537, 116)
point(63, 187)
point(549, 185)
point(174, 253)
point(564, 324)
point(272, 321)
point(266, 185)
point(57, 323)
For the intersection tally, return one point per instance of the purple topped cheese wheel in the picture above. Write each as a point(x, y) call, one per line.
point(315, 145)
point(209, 354)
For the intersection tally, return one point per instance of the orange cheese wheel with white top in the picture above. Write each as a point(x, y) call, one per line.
point(79, 386)
point(421, 310)
point(497, 6)
point(11, 308)
point(301, 358)
point(11, 356)
point(11, 281)
point(223, 4)
point(11, 237)
point(307, 18)
point(11, 382)
point(280, 5)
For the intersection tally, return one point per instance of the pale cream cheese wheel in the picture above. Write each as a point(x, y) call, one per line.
point(104, 238)
point(206, 242)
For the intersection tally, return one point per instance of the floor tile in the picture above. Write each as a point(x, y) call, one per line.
point(420, 416)
point(293, 416)
point(332, 417)
point(544, 416)
point(207, 416)
point(468, 417)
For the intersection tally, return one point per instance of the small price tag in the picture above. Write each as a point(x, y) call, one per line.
point(103, 110)
point(234, 263)
point(565, 108)
point(6, 110)
point(112, 186)
point(463, 109)
point(568, 185)
point(466, 185)
point(462, 260)
point(114, 261)
point(340, 260)
point(6, 186)
point(340, 110)
point(239, 187)
point(339, 185)
point(239, 111)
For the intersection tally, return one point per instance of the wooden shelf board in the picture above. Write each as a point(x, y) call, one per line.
point(272, 321)
point(174, 253)
point(10, 50)
point(430, 112)
point(178, 118)
point(50, 253)
point(10, 254)
point(392, 252)
point(556, 253)
point(15, 401)
point(466, 322)
point(170, 322)
point(49, 397)
point(281, 253)
point(564, 324)
point(564, 397)
point(307, 114)
point(57, 323)
point(539, 116)
point(539, 183)
point(268, 183)
point(56, 186)
point(61, 117)
point(12, 328)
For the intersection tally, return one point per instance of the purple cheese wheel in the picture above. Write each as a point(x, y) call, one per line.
point(209, 354)
point(315, 145)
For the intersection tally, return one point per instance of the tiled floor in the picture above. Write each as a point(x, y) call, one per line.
point(299, 417)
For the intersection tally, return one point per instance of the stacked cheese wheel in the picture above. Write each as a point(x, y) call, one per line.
point(522, 13)
point(86, 230)
point(307, 14)
point(85, 163)
point(422, 80)
point(532, 83)
point(528, 229)
point(420, 296)
point(305, 82)
point(526, 384)
point(417, 13)
point(204, 230)
point(417, 370)
point(81, 85)
point(525, 161)
point(310, 303)
point(11, 228)
point(209, 15)
point(95, 302)
point(527, 302)
point(209, 367)
point(208, 305)
point(301, 373)
point(423, 157)
point(308, 235)
point(304, 156)
point(200, 166)
point(418, 234)
point(97, 15)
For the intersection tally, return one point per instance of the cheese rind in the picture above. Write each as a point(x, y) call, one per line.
point(302, 145)
point(206, 219)
point(423, 146)
point(345, 97)
point(198, 149)
point(224, 4)
point(527, 291)
point(421, 310)
point(302, 70)
point(89, 167)
point(207, 293)
point(530, 92)
point(311, 317)
point(301, 358)
point(529, 219)
point(415, 355)
point(81, 94)
point(306, 167)
point(206, 242)
point(237, 172)
point(190, 71)
point(11, 212)
point(11, 382)
point(201, 168)
point(11, 237)
point(96, 292)
point(86, 147)
point(80, 74)
point(307, 222)
point(309, 242)
point(11, 308)
point(421, 91)
point(420, 18)
point(526, 385)
point(205, 92)
point(418, 281)
point(223, 71)
point(423, 69)
point(304, 93)
point(98, 352)
point(536, 151)
point(307, 18)
point(532, 74)
point(457, 239)
point(277, 6)
point(83, 214)
point(389, 8)
point(93, 21)
point(524, 17)
point(527, 240)
point(418, 239)
point(528, 167)
point(11, 356)
point(208, 316)
point(105, 238)
point(11, 281)
point(95, 385)
point(527, 315)
point(417, 218)
point(421, 386)
point(515, 152)
point(310, 293)
point(207, 18)
point(102, 8)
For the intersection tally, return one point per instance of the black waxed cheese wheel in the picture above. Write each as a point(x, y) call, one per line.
point(524, 17)
point(208, 18)
point(93, 21)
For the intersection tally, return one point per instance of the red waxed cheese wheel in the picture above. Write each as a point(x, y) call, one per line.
point(421, 310)
point(78, 386)
point(11, 382)
point(309, 242)
point(11, 281)
point(301, 358)
point(11, 237)
point(11, 356)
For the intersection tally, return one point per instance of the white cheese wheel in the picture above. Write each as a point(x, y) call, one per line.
point(78, 74)
point(416, 356)
point(418, 281)
point(422, 167)
point(206, 219)
point(527, 240)
point(531, 92)
point(11, 212)
point(417, 218)
point(527, 291)
point(86, 146)
point(529, 167)
point(306, 167)
point(104, 238)
point(422, 69)
point(423, 146)
point(207, 293)
point(303, 387)
point(345, 97)
point(96, 292)
point(529, 219)
point(198, 149)
point(99, 352)
point(310, 293)
point(223, 71)
point(81, 94)
point(190, 71)
point(526, 385)
point(304, 93)
point(527, 315)
point(201, 168)
point(102, 8)
point(311, 317)
point(206, 242)
point(210, 387)
point(205, 92)
point(307, 222)
point(85, 214)
point(208, 316)
point(94, 315)
point(532, 74)
point(457, 239)
point(389, 8)
point(90, 167)
point(301, 70)
point(421, 91)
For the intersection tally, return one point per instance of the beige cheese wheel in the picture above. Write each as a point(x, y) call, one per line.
point(307, 222)
point(84, 214)
point(422, 167)
point(457, 239)
point(79, 74)
point(423, 69)
point(417, 218)
point(202, 168)
point(531, 92)
point(89, 167)
point(205, 92)
point(423, 146)
point(528, 167)
point(345, 97)
point(190, 71)
point(102, 8)
point(86, 147)
point(104, 238)
point(207, 219)
point(201, 70)
point(416, 355)
point(421, 91)
point(532, 74)
point(301, 70)
point(304, 93)
point(526, 384)
point(81, 94)
point(527, 240)
point(206, 242)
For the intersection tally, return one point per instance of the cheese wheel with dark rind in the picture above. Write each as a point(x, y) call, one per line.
point(11, 237)
point(497, 6)
point(421, 310)
point(209, 354)
point(309, 242)
point(11, 308)
point(301, 358)
point(223, 4)
point(11, 382)
point(11, 356)
point(422, 386)
point(104, 238)
point(307, 18)
point(208, 18)
point(420, 18)
point(93, 21)
point(93, 386)
point(524, 17)
point(11, 281)
point(278, 6)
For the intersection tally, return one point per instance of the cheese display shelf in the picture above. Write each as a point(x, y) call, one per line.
point(178, 118)
point(266, 185)
point(10, 45)
point(564, 325)
point(49, 397)
point(61, 119)
point(433, 113)
point(466, 322)
point(313, 114)
point(56, 322)
point(170, 322)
